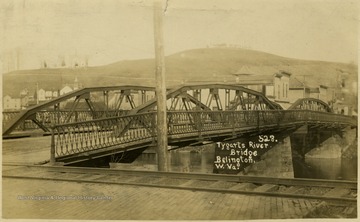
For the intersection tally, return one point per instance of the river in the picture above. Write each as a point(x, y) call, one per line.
point(200, 160)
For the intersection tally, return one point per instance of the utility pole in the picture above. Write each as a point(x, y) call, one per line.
point(37, 93)
point(161, 126)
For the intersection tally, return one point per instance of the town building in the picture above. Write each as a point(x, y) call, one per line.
point(45, 95)
point(25, 98)
point(65, 89)
point(70, 87)
point(11, 104)
point(274, 86)
point(41, 95)
point(306, 89)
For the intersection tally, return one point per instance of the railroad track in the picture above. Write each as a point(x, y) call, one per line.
point(326, 190)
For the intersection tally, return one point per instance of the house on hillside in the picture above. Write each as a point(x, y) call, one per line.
point(41, 95)
point(45, 95)
point(65, 89)
point(24, 98)
point(11, 104)
point(24, 92)
point(48, 94)
point(70, 87)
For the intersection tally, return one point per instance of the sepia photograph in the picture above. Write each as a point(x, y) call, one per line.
point(179, 109)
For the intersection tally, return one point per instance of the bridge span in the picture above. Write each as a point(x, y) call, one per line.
point(196, 114)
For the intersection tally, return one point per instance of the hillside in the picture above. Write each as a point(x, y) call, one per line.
point(210, 64)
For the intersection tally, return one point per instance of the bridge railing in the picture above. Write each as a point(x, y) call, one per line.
point(323, 117)
point(8, 115)
point(316, 117)
point(194, 121)
point(85, 136)
point(73, 138)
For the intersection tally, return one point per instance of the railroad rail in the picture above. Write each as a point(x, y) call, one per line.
point(325, 190)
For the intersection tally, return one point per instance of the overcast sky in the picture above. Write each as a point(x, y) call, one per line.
point(107, 31)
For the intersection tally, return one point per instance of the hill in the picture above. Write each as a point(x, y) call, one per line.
point(210, 64)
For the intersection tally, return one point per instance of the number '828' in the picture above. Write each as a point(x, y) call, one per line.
point(266, 138)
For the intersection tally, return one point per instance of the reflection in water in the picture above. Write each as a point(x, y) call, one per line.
point(181, 161)
point(331, 168)
point(349, 169)
point(202, 162)
point(191, 161)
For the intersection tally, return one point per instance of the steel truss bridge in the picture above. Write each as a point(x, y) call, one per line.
point(96, 122)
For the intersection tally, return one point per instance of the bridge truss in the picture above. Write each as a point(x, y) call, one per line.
point(215, 97)
point(311, 104)
point(123, 118)
point(80, 105)
point(102, 102)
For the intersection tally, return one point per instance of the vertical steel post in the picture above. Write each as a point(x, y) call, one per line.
point(106, 98)
point(227, 99)
point(143, 96)
point(52, 147)
point(57, 112)
point(161, 126)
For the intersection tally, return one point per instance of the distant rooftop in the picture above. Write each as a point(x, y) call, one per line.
point(253, 75)
point(295, 83)
point(256, 70)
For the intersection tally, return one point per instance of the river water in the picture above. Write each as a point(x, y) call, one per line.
point(326, 168)
point(200, 160)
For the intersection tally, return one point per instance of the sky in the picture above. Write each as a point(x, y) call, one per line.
point(107, 31)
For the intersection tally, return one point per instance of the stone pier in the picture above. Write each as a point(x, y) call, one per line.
point(276, 162)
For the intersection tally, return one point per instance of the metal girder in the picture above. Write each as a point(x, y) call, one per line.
point(181, 89)
point(131, 101)
point(40, 125)
point(188, 101)
point(132, 121)
point(214, 95)
point(119, 101)
point(91, 106)
point(311, 104)
point(197, 102)
point(174, 103)
point(127, 94)
point(81, 93)
point(106, 100)
point(227, 99)
point(75, 104)
point(32, 117)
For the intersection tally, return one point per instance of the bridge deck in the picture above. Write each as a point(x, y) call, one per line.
point(97, 138)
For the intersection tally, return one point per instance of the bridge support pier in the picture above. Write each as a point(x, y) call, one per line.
point(277, 162)
point(308, 139)
point(305, 139)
